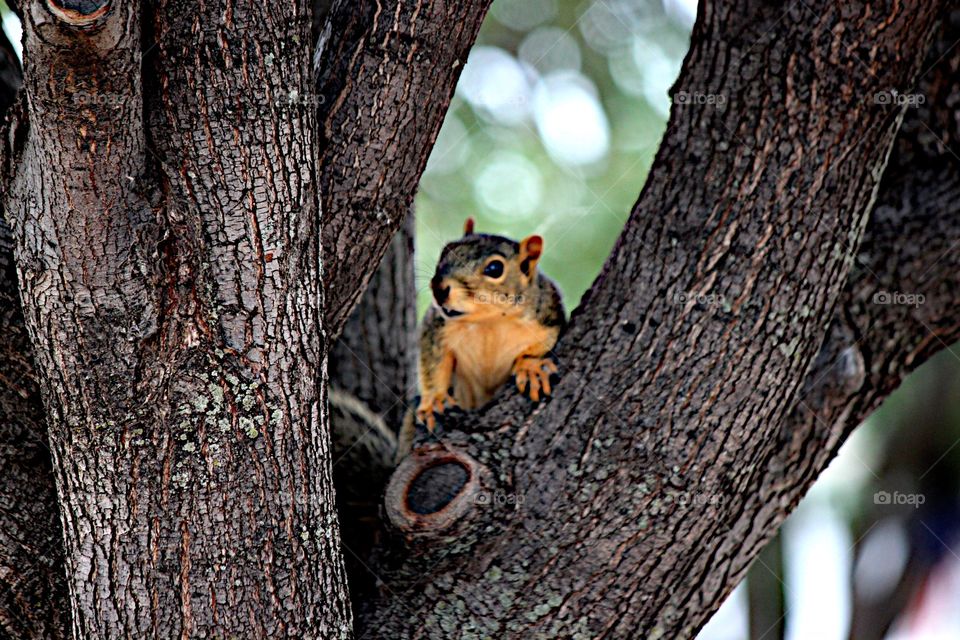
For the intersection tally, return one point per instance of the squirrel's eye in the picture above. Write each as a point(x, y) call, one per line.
point(494, 269)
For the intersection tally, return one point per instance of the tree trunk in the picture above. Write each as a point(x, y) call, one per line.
point(171, 288)
point(386, 73)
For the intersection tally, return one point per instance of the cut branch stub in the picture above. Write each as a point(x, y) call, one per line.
point(433, 489)
point(79, 13)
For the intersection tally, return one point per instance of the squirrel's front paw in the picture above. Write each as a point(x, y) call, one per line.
point(430, 405)
point(533, 376)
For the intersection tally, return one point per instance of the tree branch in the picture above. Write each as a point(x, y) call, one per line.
point(102, 154)
point(86, 114)
point(386, 72)
point(621, 508)
point(898, 308)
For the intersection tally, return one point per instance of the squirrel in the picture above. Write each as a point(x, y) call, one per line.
point(494, 315)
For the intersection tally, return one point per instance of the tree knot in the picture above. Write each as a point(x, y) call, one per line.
point(432, 489)
point(79, 13)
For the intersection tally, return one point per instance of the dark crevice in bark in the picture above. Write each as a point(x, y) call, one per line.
point(371, 366)
point(374, 357)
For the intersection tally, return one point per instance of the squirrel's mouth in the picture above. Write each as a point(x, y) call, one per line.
point(450, 313)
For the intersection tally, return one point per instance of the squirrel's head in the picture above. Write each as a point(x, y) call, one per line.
point(482, 275)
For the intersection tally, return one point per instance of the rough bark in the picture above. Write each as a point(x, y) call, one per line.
point(386, 72)
point(31, 542)
point(633, 502)
point(171, 290)
point(33, 602)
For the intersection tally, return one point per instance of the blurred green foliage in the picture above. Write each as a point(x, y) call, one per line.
point(554, 126)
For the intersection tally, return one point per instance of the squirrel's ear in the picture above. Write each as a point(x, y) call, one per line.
point(468, 227)
point(530, 249)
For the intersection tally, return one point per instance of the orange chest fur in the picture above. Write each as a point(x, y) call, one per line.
point(484, 353)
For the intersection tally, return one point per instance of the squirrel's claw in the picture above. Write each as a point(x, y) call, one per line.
point(429, 406)
point(533, 376)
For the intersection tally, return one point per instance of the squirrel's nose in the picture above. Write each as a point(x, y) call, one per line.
point(440, 292)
